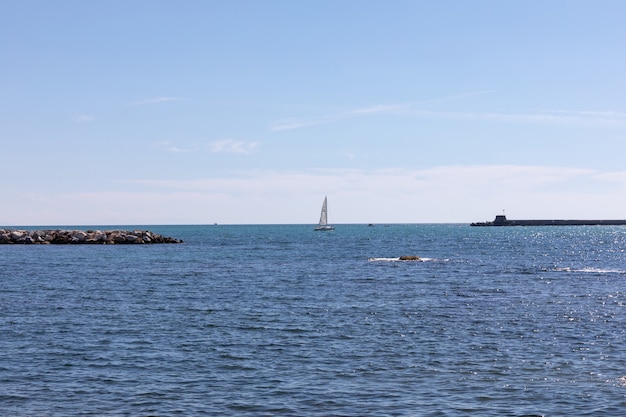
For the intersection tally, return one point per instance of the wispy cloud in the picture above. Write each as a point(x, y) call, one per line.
point(495, 178)
point(176, 149)
point(153, 101)
point(614, 177)
point(232, 146)
point(440, 194)
point(382, 108)
point(591, 113)
point(560, 117)
point(403, 108)
point(459, 96)
point(425, 109)
point(169, 147)
point(218, 146)
point(462, 193)
point(291, 124)
point(580, 119)
point(83, 118)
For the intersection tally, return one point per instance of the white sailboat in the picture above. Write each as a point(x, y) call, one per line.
point(323, 225)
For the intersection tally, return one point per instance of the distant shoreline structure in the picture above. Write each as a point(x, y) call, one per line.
point(501, 220)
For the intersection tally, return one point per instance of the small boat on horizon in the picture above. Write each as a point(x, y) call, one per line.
point(323, 225)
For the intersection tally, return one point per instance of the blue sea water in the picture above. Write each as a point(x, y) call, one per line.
point(282, 320)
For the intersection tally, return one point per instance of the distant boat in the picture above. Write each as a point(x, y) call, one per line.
point(323, 225)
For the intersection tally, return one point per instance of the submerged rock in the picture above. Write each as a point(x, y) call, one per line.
point(410, 258)
point(10, 236)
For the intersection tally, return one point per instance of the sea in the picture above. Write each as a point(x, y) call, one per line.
point(280, 320)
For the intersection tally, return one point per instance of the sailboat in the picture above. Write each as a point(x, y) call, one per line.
point(323, 225)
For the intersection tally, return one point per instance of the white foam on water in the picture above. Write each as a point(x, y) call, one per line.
point(592, 270)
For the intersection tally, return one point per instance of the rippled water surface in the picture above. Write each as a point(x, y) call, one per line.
point(281, 320)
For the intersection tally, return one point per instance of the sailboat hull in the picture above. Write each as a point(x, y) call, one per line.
point(325, 228)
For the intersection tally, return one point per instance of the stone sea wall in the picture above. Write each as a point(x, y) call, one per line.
point(11, 236)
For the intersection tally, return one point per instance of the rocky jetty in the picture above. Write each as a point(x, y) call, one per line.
point(501, 220)
point(109, 237)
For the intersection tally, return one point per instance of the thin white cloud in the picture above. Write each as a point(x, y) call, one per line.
point(219, 146)
point(591, 113)
point(615, 177)
point(175, 149)
point(458, 96)
point(169, 147)
point(383, 108)
point(84, 118)
point(153, 101)
point(576, 119)
point(291, 124)
point(586, 118)
point(486, 178)
point(232, 146)
point(441, 194)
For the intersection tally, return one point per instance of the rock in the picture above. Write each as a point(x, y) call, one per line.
point(80, 236)
point(118, 237)
point(5, 237)
point(410, 258)
point(61, 237)
point(17, 234)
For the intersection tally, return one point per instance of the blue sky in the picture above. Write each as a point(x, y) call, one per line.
point(195, 112)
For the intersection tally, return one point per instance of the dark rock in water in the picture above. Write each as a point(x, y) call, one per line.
point(410, 258)
point(9, 236)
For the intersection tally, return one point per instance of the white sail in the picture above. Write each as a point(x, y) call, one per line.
point(323, 224)
point(324, 215)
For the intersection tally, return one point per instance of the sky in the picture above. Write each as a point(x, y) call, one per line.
point(250, 112)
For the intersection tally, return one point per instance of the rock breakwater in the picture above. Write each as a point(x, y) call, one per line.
point(58, 236)
point(501, 220)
